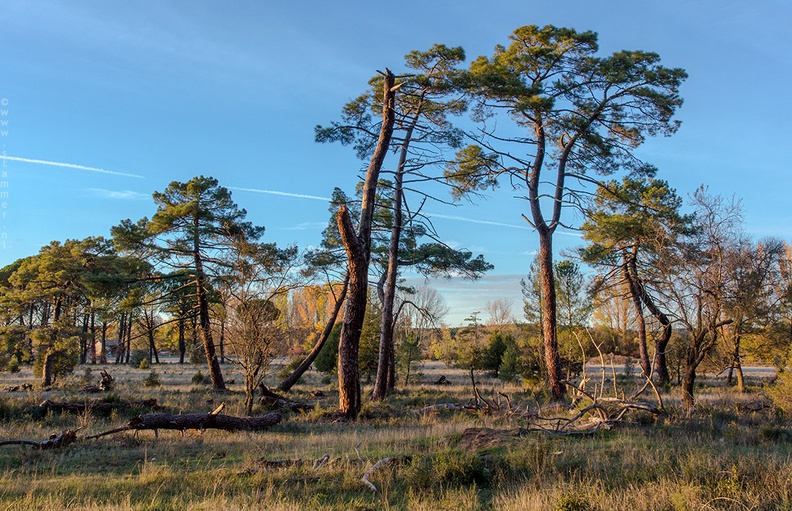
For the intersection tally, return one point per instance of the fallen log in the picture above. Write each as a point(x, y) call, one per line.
point(66, 438)
point(198, 421)
point(96, 406)
point(202, 421)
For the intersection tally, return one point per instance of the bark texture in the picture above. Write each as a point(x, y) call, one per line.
point(547, 281)
point(358, 251)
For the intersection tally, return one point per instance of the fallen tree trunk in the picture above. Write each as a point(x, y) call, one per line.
point(202, 421)
point(199, 421)
point(66, 438)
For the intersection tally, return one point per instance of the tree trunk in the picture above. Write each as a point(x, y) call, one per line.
point(204, 322)
point(84, 339)
point(737, 364)
point(354, 313)
point(222, 341)
point(92, 349)
point(386, 367)
point(358, 250)
point(387, 358)
point(629, 272)
point(295, 376)
point(199, 421)
point(153, 355)
point(547, 282)
point(103, 349)
point(182, 345)
point(120, 346)
point(46, 373)
point(688, 384)
point(128, 346)
point(661, 342)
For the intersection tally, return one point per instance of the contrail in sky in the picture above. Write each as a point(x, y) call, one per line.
point(499, 224)
point(475, 221)
point(284, 194)
point(68, 166)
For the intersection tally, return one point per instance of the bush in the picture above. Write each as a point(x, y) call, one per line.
point(144, 364)
point(152, 380)
point(447, 467)
point(781, 392)
point(136, 357)
point(327, 359)
point(572, 503)
point(13, 364)
point(199, 378)
point(197, 355)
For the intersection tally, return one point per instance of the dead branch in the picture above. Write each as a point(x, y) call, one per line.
point(365, 478)
point(65, 439)
point(17, 388)
point(105, 384)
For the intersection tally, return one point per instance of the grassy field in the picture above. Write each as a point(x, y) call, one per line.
point(733, 453)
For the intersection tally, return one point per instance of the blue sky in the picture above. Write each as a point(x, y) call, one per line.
point(149, 92)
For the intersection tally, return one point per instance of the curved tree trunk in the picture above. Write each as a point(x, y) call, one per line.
point(358, 250)
point(204, 322)
point(387, 358)
point(349, 396)
point(295, 376)
point(629, 272)
point(661, 342)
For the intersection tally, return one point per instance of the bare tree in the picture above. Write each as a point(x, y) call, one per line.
point(500, 312)
point(697, 279)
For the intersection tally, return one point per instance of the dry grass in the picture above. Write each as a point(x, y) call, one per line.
point(722, 457)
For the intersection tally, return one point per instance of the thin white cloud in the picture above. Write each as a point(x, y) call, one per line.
point(115, 194)
point(283, 194)
point(306, 226)
point(477, 221)
point(68, 166)
point(499, 224)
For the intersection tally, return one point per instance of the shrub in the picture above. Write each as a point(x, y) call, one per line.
point(199, 378)
point(568, 502)
point(781, 392)
point(447, 467)
point(136, 358)
point(13, 364)
point(327, 359)
point(197, 355)
point(152, 380)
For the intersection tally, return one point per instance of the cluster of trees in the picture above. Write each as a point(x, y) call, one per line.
point(548, 115)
